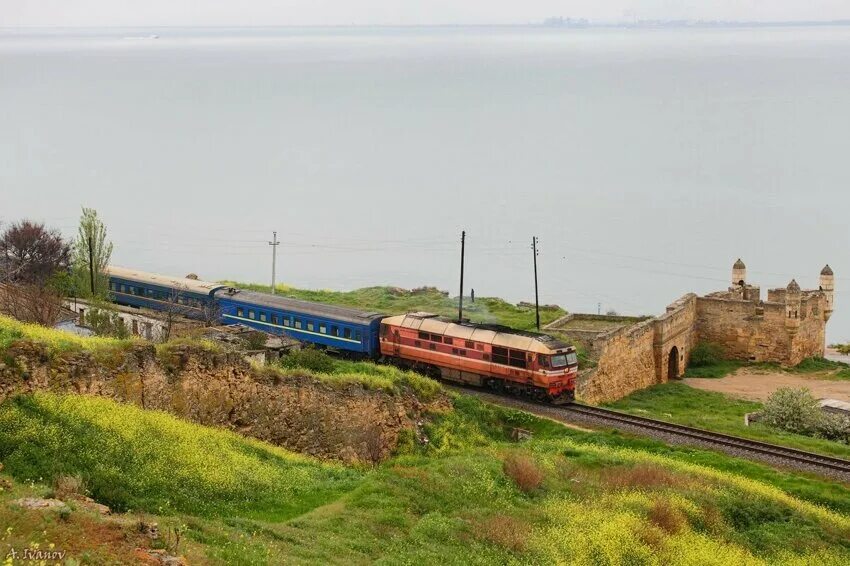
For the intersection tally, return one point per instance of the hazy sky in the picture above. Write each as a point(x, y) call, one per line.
point(396, 12)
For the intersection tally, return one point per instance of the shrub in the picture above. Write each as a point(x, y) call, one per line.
point(642, 476)
point(523, 470)
point(705, 354)
point(665, 516)
point(104, 322)
point(308, 358)
point(506, 531)
point(794, 410)
point(843, 348)
point(256, 340)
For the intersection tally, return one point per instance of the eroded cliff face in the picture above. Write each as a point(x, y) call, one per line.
point(301, 413)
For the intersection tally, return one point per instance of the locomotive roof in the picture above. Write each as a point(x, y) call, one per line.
point(494, 334)
point(344, 314)
point(179, 283)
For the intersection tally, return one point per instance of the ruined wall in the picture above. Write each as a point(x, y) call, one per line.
point(743, 329)
point(759, 332)
point(675, 337)
point(626, 363)
point(638, 356)
point(348, 422)
point(810, 339)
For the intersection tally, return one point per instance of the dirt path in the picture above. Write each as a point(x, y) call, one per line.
point(758, 385)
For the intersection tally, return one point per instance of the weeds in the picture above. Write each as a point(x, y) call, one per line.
point(524, 472)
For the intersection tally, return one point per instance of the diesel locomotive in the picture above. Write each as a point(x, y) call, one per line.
point(484, 355)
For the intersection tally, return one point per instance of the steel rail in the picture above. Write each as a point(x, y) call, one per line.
point(720, 438)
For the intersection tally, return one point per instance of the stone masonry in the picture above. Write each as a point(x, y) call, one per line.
point(787, 328)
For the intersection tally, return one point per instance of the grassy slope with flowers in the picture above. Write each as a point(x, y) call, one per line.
point(469, 495)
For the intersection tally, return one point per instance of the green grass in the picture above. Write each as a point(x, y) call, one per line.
point(137, 459)
point(680, 403)
point(602, 497)
point(57, 341)
point(393, 300)
point(718, 369)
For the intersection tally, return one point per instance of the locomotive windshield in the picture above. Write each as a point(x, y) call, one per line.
point(561, 360)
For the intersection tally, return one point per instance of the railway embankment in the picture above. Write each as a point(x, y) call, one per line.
point(342, 419)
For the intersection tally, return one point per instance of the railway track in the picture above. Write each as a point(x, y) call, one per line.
point(717, 438)
point(781, 456)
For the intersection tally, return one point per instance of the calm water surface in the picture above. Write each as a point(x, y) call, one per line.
point(646, 161)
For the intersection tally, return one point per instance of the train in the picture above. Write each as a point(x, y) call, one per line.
point(490, 356)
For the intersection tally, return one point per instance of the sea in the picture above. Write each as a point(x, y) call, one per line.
point(645, 161)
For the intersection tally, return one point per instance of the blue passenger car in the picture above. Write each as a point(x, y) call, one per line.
point(328, 326)
point(187, 297)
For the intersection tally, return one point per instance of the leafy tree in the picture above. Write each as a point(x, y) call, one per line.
point(106, 322)
point(92, 252)
point(30, 254)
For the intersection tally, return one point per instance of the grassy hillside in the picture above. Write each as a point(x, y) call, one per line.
point(136, 459)
point(393, 300)
point(468, 496)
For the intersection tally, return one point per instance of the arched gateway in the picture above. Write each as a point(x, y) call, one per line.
point(673, 364)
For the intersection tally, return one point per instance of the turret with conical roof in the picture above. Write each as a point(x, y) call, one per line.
point(793, 302)
point(827, 285)
point(739, 274)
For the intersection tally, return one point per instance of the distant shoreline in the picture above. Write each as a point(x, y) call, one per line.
point(571, 25)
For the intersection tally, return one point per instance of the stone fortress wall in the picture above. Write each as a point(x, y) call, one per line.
point(634, 353)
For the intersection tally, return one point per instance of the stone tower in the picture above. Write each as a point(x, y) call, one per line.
point(827, 285)
point(739, 274)
point(793, 301)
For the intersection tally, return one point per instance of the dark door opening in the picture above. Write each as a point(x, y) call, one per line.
point(673, 364)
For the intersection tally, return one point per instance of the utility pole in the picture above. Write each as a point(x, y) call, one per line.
point(536, 300)
point(598, 308)
point(274, 244)
point(460, 304)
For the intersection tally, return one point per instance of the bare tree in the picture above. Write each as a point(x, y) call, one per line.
point(31, 254)
point(33, 259)
point(31, 303)
point(175, 307)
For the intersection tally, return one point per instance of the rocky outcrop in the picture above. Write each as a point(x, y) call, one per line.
point(304, 414)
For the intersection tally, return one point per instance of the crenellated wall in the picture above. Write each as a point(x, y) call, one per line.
point(786, 329)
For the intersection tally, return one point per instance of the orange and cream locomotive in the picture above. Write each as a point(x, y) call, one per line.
point(498, 357)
